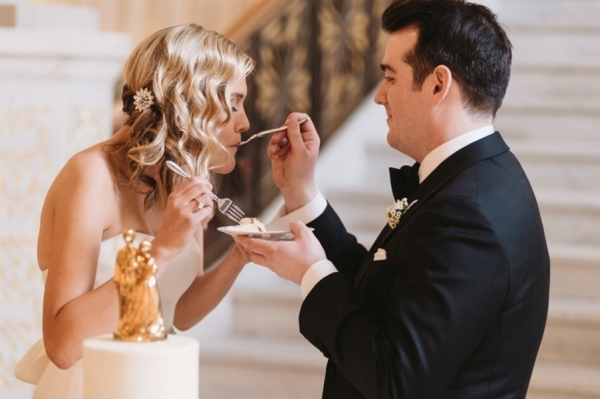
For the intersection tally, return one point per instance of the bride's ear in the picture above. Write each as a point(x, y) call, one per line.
point(439, 83)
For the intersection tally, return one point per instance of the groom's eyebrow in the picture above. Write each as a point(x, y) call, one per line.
point(386, 67)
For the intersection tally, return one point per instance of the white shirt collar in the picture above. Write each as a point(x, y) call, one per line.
point(439, 155)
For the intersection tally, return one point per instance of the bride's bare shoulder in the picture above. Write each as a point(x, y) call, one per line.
point(88, 173)
point(92, 163)
point(95, 163)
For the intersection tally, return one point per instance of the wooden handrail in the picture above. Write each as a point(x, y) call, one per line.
point(254, 19)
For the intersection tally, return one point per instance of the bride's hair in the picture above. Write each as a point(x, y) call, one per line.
point(190, 71)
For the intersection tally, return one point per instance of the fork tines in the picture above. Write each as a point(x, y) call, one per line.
point(229, 209)
point(234, 212)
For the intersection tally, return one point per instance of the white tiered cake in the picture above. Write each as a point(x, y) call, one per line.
point(126, 370)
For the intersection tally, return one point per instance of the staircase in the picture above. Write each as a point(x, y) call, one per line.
point(263, 356)
point(551, 120)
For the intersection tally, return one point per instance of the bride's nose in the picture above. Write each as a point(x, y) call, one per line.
point(243, 124)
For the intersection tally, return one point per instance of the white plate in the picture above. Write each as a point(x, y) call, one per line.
point(271, 235)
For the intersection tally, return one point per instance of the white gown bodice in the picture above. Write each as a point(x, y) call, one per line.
point(53, 383)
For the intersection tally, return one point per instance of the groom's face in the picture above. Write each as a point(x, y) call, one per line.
point(405, 104)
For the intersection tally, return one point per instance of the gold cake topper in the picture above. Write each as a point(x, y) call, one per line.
point(139, 302)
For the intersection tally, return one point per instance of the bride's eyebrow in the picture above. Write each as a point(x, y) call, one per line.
point(238, 96)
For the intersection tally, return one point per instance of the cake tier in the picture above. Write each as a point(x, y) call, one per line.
point(128, 370)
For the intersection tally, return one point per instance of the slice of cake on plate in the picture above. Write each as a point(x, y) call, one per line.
point(251, 224)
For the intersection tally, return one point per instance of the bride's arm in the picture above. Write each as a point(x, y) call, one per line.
point(82, 204)
point(208, 289)
point(77, 210)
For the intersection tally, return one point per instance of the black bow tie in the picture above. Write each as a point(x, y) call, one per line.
point(404, 180)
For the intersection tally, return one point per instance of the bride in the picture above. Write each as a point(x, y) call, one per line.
point(183, 97)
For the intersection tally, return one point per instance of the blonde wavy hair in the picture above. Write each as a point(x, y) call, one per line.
point(190, 71)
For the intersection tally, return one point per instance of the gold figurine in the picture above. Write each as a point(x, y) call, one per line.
point(140, 318)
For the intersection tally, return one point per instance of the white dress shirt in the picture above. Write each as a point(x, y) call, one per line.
point(317, 205)
point(439, 155)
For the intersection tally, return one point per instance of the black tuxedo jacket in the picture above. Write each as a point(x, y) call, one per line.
point(458, 308)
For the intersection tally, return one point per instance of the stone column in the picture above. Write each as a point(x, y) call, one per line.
point(57, 78)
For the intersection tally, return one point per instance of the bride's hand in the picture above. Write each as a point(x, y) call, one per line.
point(187, 206)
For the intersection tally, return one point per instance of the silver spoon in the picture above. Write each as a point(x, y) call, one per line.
point(265, 132)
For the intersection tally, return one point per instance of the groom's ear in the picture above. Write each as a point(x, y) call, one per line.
point(438, 84)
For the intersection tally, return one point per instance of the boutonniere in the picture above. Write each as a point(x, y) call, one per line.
point(395, 212)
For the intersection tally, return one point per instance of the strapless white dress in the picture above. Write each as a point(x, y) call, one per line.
point(53, 383)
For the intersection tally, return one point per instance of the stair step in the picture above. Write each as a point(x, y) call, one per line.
point(560, 381)
point(566, 14)
point(554, 89)
point(233, 368)
point(572, 332)
point(64, 17)
point(267, 312)
point(559, 164)
point(371, 201)
point(535, 123)
point(268, 353)
point(575, 272)
point(570, 218)
point(556, 50)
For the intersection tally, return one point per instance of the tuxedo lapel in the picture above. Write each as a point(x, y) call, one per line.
point(485, 148)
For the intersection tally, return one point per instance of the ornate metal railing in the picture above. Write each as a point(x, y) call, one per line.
point(315, 56)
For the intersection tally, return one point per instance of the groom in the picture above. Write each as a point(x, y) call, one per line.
point(451, 300)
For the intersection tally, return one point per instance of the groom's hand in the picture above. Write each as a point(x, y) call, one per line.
point(288, 259)
point(294, 154)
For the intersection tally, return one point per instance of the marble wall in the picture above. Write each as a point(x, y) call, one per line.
point(58, 68)
point(56, 94)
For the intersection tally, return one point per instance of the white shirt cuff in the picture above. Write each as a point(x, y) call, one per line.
point(314, 274)
point(306, 214)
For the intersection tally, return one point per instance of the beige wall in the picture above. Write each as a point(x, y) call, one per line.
point(142, 17)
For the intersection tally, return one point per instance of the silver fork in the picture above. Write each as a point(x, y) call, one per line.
point(265, 132)
point(225, 205)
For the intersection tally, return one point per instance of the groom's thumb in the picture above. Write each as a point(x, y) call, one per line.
point(298, 228)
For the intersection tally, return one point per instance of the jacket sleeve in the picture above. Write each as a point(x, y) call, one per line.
point(450, 283)
point(341, 247)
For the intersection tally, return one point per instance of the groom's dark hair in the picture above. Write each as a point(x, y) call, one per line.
point(466, 38)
